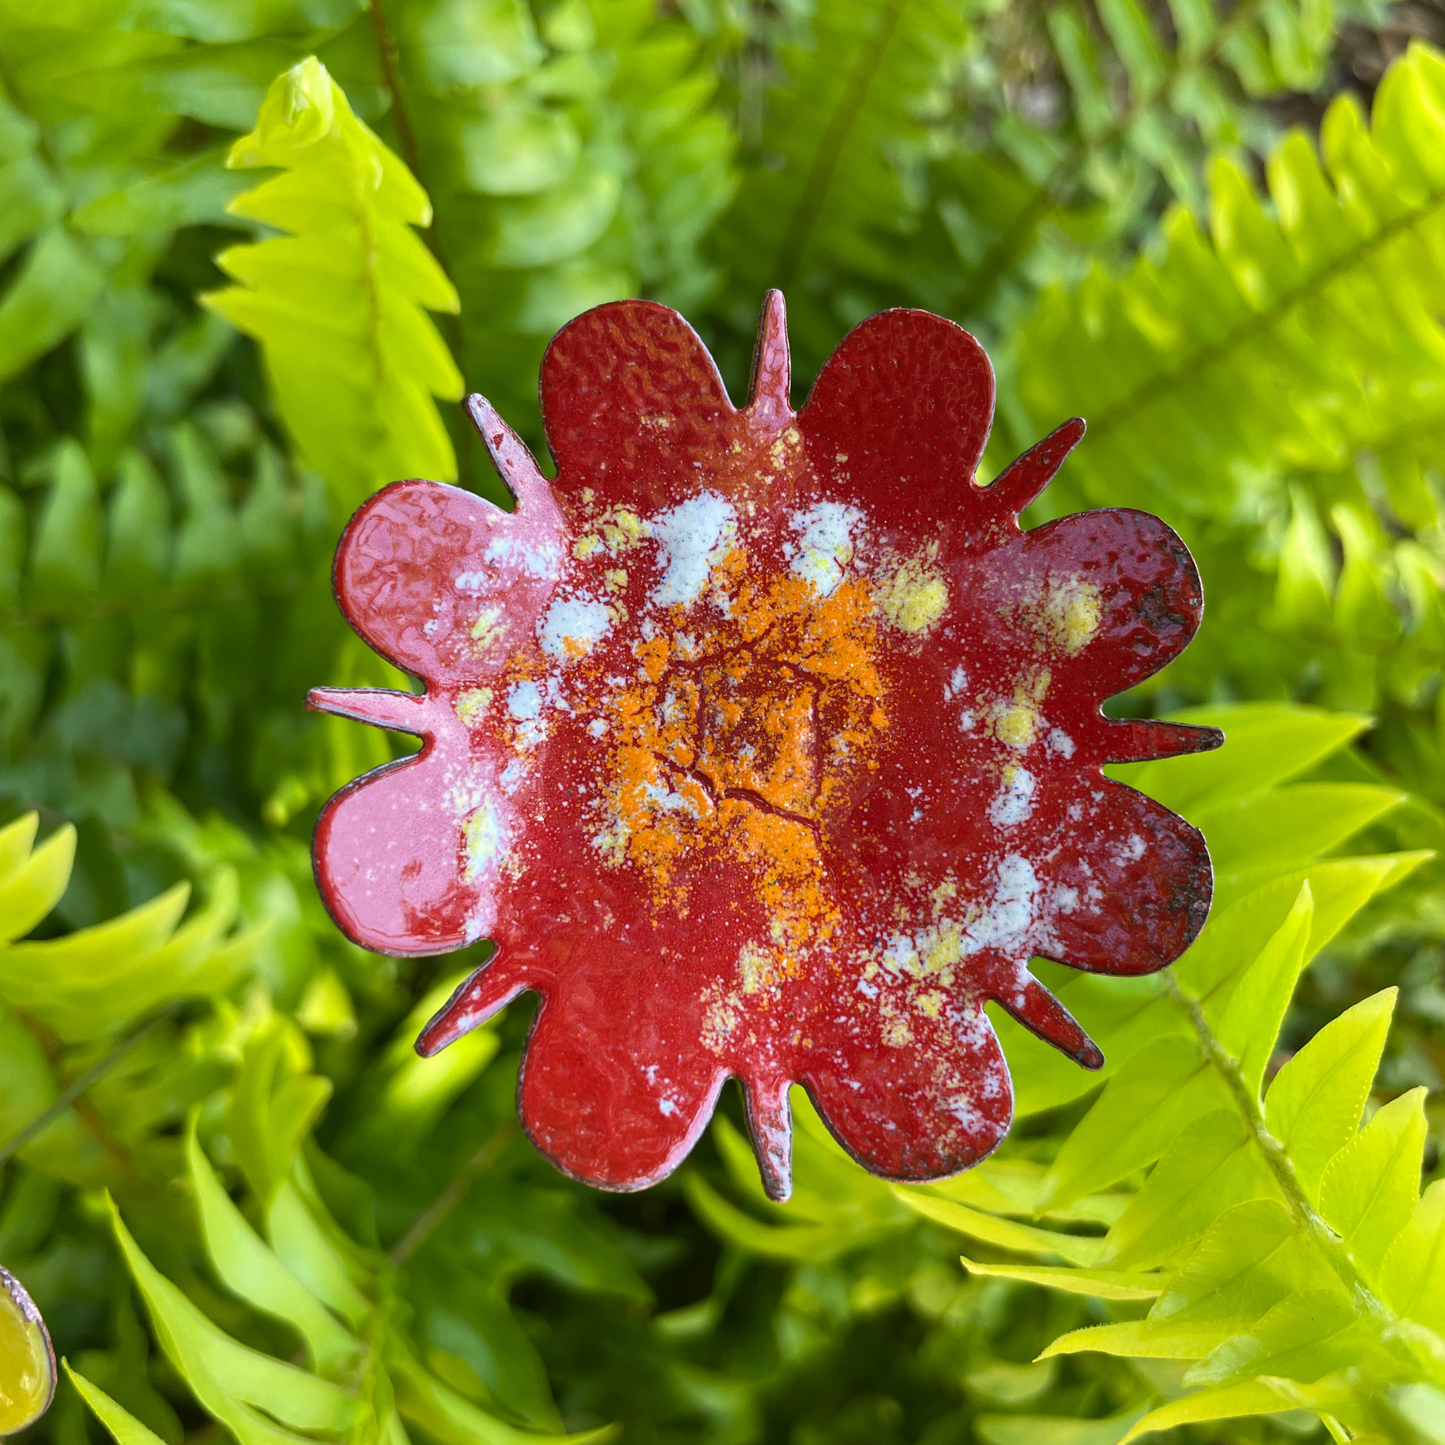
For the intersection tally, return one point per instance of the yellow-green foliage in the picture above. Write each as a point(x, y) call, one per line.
point(250, 254)
point(336, 304)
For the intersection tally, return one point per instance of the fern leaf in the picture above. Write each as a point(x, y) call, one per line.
point(337, 304)
point(1370, 1187)
point(93, 981)
point(1314, 1104)
point(123, 1426)
point(829, 175)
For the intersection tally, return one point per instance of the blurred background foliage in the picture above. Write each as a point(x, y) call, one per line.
point(232, 305)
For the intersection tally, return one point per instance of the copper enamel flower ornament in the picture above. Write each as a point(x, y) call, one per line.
point(763, 744)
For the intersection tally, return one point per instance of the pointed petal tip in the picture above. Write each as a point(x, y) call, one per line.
point(770, 390)
point(478, 998)
point(1021, 482)
point(779, 1190)
point(770, 1123)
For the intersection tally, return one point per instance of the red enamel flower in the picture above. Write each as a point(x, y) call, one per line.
point(763, 744)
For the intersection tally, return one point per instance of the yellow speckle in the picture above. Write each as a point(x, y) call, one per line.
point(914, 595)
point(840, 457)
point(944, 947)
point(616, 579)
point(759, 970)
point(482, 836)
point(472, 704)
point(930, 1004)
point(585, 547)
point(897, 1033)
point(588, 496)
point(1017, 726)
point(488, 628)
point(1074, 613)
point(622, 529)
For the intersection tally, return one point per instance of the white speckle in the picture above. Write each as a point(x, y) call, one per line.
point(1066, 899)
point(597, 727)
point(666, 1107)
point(956, 683)
point(572, 626)
point(667, 800)
point(901, 955)
point(512, 775)
point(695, 536)
point(1076, 812)
point(1130, 851)
point(1061, 743)
point(1014, 801)
point(471, 581)
point(962, 1109)
point(536, 561)
point(826, 544)
point(965, 721)
point(1005, 921)
point(524, 700)
point(429, 629)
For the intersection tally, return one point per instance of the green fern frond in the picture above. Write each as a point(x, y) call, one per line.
point(1286, 359)
point(337, 304)
point(1142, 100)
point(362, 1378)
point(827, 199)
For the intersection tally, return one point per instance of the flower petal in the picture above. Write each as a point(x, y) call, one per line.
point(912, 1098)
point(1106, 598)
point(408, 857)
point(614, 1087)
point(907, 396)
point(1131, 881)
point(437, 580)
point(634, 405)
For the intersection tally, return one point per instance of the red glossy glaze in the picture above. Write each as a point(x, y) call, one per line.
point(763, 744)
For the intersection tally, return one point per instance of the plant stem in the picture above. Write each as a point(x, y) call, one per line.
point(1277, 1160)
point(830, 149)
point(431, 1217)
point(72, 1092)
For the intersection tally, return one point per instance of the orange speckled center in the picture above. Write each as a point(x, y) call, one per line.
point(735, 738)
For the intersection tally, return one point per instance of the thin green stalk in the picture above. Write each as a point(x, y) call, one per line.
point(1277, 1159)
point(430, 1219)
point(1165, 381)
point(92, 1076)
point(830, 149)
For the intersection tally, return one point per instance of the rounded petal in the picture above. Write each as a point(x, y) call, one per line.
point(912, 1097)
point(898, 418)
point(1131, 882)
point(408, 858)
point(614, 1087)
point(439, 581)
point(1106, 598)
point(633, 405)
